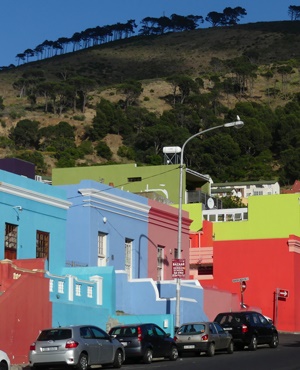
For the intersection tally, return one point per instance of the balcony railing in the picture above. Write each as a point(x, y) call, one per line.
point(202, 255)
point(197, 196)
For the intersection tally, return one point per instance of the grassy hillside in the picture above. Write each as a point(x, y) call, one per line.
point(151, 60)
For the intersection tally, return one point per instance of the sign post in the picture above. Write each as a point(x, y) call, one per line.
point(243, 287)
point(280, 295)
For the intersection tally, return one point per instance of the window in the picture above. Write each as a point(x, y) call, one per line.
point(205, 270)
point(42, 244)
point(78, 290)
point(134, 179)
point(60, 287)
point(90, 292)
point(128, 257)
point(102, 241)
point(160, 258)
point(212, 218)
point(10, 241)
point(99, 333)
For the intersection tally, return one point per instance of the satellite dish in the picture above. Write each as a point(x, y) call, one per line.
point(210, 203)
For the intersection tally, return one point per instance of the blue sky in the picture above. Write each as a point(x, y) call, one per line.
point(27, 23)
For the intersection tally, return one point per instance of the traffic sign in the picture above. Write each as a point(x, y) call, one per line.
point(178, 268)
point(243, 286)
point(282, 293)
point(239, 280)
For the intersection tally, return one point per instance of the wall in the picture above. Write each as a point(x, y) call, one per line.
point(25, 307)
point(18, 166)
point(272, 216)
point(33, 206)
point(145, 296)
point(216, 301)
point(151, 177)
point(269, 265)
point(263, 250)
point(166, 322)
point(116, 213)
point(163, 232)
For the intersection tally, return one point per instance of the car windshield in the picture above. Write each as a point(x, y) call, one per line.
point(124, 331)
point(55, 334)
point(191, 328)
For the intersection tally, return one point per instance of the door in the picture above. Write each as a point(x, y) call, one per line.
point(214, 336)
point(105, 345)
point(160, 344)
point(91, 344)
point(266, 329)
point(222, 336)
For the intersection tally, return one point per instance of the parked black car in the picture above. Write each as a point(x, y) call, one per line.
point(248, 328)
point(143, 342)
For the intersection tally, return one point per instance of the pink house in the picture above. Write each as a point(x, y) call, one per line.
point(162, 243)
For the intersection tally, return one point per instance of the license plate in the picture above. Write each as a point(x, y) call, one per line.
point(49, 349)
point(190, 346)
point(124, 344)
point(227, 328)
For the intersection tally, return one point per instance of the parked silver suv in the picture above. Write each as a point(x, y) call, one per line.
point(80, 346)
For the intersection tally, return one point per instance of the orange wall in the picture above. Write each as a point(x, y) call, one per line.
point(269, 265)
point(25, 309)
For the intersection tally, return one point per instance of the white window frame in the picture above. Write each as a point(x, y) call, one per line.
point(160, 265)
point(90, 291)
point(128, 257)
point(78, 290)
point(60, 286)
point(102, 249)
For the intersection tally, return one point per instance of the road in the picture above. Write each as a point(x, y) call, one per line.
point(285, 357)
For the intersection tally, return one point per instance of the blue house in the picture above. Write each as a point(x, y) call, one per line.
point(94, 240)
point(107, 227)
point(33, 216)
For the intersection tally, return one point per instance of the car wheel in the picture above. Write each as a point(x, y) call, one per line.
point(230, 347)
point(174, 354)
point(275, 341)
point(253, 344)
point(211, 350)
point(118, 361)
point(82, 362)
point(148, 355)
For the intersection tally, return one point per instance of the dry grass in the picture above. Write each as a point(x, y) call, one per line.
point(150, 60)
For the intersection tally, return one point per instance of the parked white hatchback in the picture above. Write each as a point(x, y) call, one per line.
point(80, 346)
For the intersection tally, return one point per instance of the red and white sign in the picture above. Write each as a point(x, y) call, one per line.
point(243, 286)
point(178, 268)
point(282, 293)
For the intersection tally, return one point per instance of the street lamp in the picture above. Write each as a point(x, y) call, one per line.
point(236, 124)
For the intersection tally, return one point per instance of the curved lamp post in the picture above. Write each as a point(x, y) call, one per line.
point(236, 124)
